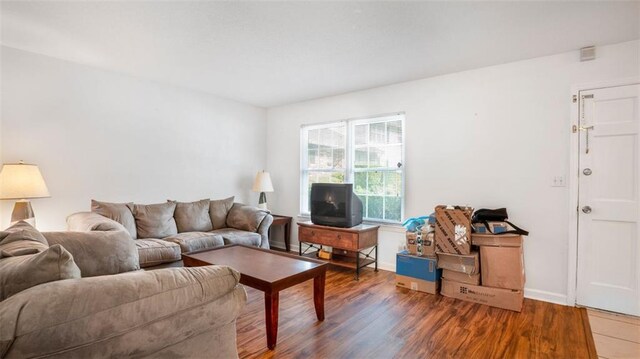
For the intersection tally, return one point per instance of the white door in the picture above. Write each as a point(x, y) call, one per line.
point(609, 205)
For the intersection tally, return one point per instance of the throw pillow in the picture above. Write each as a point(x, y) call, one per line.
point(21, 239)
point(24, 272)
point(119, 212)
point(155, 220)
point(245, 217)
point(193, 216)
point(218, 210)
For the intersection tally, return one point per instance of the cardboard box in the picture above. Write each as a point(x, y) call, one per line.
point(460, 277)
point(495, 297)
point(429, 244)
point(412, 243)
point(502, 260)
point(453, 230)
point(465, 263)
point(417, 284)
point(421, 243)
point(503, 240)
point(424, 268)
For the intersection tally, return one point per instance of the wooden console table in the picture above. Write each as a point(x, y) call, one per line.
point(361, 241)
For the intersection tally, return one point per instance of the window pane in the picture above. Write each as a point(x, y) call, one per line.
point(377, 133)
point(394, 132)
point(338, 158)
point(360, 182)
point(361, 134)
point(375, 183)
point(393, 156)
point(374, 207)
point(361, 158)
point(325, 158)
point(393, 184)
point(377, 157)
point(392, 208)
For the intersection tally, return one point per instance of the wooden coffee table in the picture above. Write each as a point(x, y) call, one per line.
point(268, 271)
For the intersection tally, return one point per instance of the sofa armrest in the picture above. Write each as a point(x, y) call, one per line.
point(90, 221)
point(133, 314)
point(97, 252)
point(263, 230)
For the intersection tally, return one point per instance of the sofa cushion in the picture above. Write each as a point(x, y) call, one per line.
point(99, 252)
point(193, 241)
point(193, 216)
point(155, 220)
point(237, 236)
point(153, 251)
point(218, 210)
point(26, 271)
point(119, 212)
point(21, 239)
point(246, 218)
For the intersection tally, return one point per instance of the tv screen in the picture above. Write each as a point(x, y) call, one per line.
point(335, 204)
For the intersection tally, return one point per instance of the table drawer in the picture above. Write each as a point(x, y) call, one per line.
point(342, 240)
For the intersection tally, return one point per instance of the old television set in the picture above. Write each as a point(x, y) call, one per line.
point(335, 204)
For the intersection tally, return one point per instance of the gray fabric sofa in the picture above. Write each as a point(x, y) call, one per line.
point(162, 232)
point(83, 295)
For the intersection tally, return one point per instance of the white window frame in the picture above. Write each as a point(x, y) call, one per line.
point(349, 171)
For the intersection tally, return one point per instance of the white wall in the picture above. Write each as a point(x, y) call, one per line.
point(490, 137)
point(102, 135)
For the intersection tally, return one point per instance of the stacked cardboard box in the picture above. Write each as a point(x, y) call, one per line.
point(417, 273)
point(502, 275)
point(481, 267)
point(421, 243)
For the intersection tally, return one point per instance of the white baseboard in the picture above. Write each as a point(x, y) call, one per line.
point(545, 296)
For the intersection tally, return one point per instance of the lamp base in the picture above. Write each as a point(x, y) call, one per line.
point(262, 202)
point(22, 211)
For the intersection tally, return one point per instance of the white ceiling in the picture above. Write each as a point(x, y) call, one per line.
point(273, 53)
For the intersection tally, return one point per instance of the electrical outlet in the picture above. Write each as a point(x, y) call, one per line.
point(558, 181)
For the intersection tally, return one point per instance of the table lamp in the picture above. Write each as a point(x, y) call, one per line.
point(262, 184)
point(21, 182)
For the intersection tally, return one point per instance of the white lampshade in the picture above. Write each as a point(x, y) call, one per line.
point(22, 181)
point(263, 182)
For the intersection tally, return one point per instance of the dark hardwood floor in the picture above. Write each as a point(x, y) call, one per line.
point(374, 319)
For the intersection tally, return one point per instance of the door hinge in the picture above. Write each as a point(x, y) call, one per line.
point(574, 128)
point(574, 98)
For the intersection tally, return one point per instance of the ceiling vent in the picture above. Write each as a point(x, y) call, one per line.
point(588, 53)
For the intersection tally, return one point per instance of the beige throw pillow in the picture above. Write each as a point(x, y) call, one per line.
point(155, 220)
point(218, 210)
point(193, 216)
point(246, 218)
point(21, 239)
point(119, 212)
point(23, 272)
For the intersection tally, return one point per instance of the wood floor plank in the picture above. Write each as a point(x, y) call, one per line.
point(614, 348)
point(372, 318)
point(615, 329)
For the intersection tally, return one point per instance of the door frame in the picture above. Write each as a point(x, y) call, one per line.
point(573, 179)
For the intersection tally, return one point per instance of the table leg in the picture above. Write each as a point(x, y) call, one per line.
point(287, 236)
point(271, 301)
point(318, 294)
point(358, 265)
point(376, 258)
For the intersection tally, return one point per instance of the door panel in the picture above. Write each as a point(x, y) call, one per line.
point(608, 244)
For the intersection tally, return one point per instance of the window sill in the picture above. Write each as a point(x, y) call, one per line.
point(387, 226)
